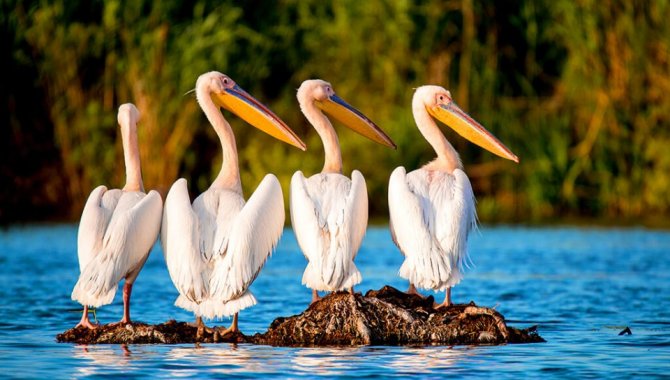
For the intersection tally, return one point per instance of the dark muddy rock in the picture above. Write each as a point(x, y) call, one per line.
point(170, 332)
point(391, 317)
point(382, 317)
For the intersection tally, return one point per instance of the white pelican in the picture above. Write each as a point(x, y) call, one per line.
point(215, 248)
point(329, 212)
point(117, 230)
point(432, 209)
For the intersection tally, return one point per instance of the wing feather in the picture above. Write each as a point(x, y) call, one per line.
point(306, 220)
point(357, 211)
point(180, 240)
point(329, 214)
point(128, 239)
point(253, 237)
point(144, 222)
point(412, 213)
point(95, 218)
point(132, 233)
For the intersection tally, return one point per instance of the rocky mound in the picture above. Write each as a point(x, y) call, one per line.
point(383, 317)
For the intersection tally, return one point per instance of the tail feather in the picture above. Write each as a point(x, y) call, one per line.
point(352, 278)
point(97, 283)
point(210, 309)
point(431, 272)
point(186, 304)
point(312, 277)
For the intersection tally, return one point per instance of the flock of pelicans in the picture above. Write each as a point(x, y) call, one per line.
point(216, 246)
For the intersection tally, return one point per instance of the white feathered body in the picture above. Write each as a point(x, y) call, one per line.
point(215, 248)
point(116, 233)
point(329, 215)
point(432, 213)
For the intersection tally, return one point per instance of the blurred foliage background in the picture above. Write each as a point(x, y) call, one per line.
point(577, 89)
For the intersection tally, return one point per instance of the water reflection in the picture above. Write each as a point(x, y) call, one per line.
point(221, 358)
point(328, 361)
point(102, 358)
point(427, 359)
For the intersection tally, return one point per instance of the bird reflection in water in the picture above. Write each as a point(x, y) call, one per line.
point(427, 359)
point(328, 361)
point(102, 359)
point(223, 359)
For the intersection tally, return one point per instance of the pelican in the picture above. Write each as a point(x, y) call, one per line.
point(118, 227)
point(432, 209)
point(329, 212)
point(215, 248)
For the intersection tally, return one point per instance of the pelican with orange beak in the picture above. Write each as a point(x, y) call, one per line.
point(329, 212)
point(432, 209)
point(215, 248)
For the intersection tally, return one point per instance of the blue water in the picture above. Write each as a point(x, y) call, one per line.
point(581, 287)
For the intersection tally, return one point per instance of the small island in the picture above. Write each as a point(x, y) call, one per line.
point(380, 317)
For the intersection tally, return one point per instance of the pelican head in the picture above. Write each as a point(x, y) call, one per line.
point(324, 97)
point(227, 94)
point(439, 104)
point(128, 114)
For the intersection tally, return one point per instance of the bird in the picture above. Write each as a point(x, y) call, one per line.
point(117, 230)
point(432, 209)
point(215, 247)
point(329, 212)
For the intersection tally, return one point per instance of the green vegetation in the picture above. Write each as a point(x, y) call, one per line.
point(577, 89)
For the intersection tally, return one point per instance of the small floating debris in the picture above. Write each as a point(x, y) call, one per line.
point(626, 331)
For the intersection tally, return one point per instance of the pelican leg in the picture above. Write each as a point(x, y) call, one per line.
point(202, 328)
point(233, 327)
point(412, 290)
point(127, 290)
point(447, 299)
point(351, 290)
point(85, 321)
point(315, 296)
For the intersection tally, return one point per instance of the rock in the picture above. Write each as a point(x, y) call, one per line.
point(391, 317)
point(383, 317)
point(170, 332)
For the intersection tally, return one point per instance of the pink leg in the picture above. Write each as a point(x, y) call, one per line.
point(412, 290)
point(351, 290)
point(447, 299)
point(85, 321)
point(233, 327)
point(315, 296)
point(127, 289)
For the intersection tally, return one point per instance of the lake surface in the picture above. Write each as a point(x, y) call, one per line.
point(581, 286)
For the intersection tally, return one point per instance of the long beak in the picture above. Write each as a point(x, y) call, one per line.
point(354, 119)
point(453, 116)
point(239, 102)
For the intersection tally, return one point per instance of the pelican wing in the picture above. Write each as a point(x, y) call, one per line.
point(180, 240)
point(143, 225)
point(132, 232)
point(431, 217)
point(329, 214)
point(230, 203)
point(357, 209)
point(307, 222)
point(456, 218)
point(252, 238)
point(409, 226)
point(94, 221)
